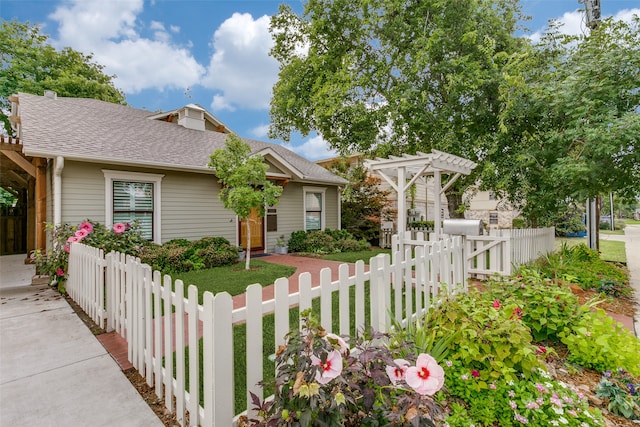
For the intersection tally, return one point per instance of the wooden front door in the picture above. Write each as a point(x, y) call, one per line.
point(257, 231)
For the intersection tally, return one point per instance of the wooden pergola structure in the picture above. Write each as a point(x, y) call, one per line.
point(402, 172)
point(25, 178)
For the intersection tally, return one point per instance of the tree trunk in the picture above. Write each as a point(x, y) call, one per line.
point(247, 259)
point(454, 201)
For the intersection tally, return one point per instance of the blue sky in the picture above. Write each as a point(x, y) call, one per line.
point(168, 53)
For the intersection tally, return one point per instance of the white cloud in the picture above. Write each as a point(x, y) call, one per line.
point(574, 23)
point(260, 131)
point(219, 103)
point(313, 149)
point(240, 67)
point(109, 31)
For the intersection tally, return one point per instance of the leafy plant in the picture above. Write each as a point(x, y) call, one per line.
point(125, 238)
point(536, 401)
point(321, 381)
point(546, 307)
point(326, 242)
point(597, 341)
point(622, 393)
point(490, 337)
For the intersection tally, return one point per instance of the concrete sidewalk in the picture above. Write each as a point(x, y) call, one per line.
point(632, 247)
point(53, 371)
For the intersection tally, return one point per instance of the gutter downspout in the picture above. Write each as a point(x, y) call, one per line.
point(57, 190)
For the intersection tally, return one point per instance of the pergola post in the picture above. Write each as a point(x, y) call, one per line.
point(402, 172)
point(437, 203)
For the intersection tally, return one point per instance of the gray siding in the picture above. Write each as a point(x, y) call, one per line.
point(190, 206)
point(290, 215)
point(332, 210)
point(82, 192)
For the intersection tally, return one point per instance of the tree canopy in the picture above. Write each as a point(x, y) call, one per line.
point(244, 181)
point(570, 124)
point(30, 64)
point(394, 76)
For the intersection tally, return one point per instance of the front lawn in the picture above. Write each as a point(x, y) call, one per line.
point(355, 256)
point(233, 279)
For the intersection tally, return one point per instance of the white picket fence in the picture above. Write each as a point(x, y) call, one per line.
point(160, 325)
point(497, 253)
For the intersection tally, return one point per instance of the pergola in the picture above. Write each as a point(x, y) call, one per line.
point(402, 172)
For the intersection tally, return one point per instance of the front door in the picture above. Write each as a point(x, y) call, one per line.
point(257, 231)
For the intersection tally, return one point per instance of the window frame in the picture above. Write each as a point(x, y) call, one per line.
point(492, 216)
point(323, 205)
point(148, 178)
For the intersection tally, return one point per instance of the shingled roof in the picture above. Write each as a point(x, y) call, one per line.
point(98, 131)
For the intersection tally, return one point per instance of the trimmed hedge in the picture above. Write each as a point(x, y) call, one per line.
point(326, 242)
point(182, 255)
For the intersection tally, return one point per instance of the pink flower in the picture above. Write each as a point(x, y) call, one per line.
point(119, 228)
point(73, 239)
point(475, 373)
point(67, 247)
point(81, 233)
point(87, 226)
point(541, 349)
point(331, 368)
point(60, 272)
point(427, 377)
point(496, 304)
point(336, 340)
point(492, 386)
point(397, 373)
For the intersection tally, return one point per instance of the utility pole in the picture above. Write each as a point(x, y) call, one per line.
point(592, 13)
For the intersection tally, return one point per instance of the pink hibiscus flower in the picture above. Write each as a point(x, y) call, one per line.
point(330, 369)
point(67, 247)
point(81, 233)
point(87, 226)
point(397, 373)
point(73, 239)
point(496, 304)
point(119, 228)
point(427, 377)
point(60, 272)
point(334, 340)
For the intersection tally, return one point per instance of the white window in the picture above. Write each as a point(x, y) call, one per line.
point(493, 217)
point(134, 196)
point(314, 208)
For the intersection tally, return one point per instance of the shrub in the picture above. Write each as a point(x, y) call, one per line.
point(125, 238)
point(598, 342)
point(544, 306)
point(490, 338)
point(218, 255)
point(518, 222)
point(181, 255)
point(321, 381)
point(326, 242)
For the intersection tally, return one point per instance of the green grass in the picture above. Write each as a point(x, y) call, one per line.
point(234, 279)
point(612, 250)
point(355, 256)
point(631, 221)
point(616, 232)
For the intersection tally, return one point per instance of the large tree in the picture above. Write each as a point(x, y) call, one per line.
point(30, 64)
point(571, 122)
point(394, 76)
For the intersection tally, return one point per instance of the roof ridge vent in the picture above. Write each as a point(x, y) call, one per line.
point(51, 94)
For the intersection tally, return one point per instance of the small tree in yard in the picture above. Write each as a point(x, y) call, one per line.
point(244, 182)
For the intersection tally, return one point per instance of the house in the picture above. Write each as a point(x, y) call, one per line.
point(493, 211)
point(112, 163)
